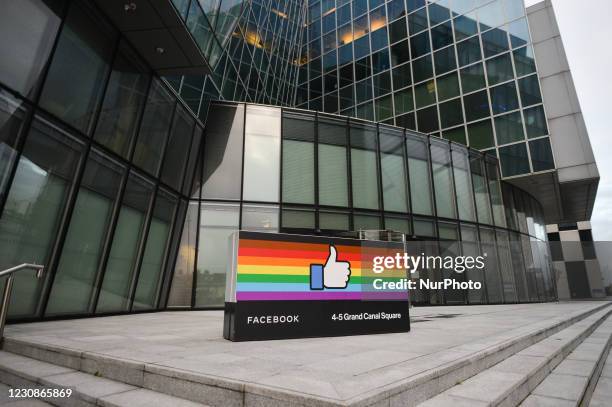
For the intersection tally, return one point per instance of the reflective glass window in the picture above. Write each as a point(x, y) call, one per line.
point(417, 21)
point(393, 168)
point(261, 175)
point(457, 134)
point(448, 86)
point(298, 218)
point(514, 160)
point(399, 53)
point(422, 68)
point(442, 180)
point(491, 15)
point(530, 90)
point(451, 113)
point(524, 61)
point(509, 128)
point(504, 98)
point(463, 184)
point(403, 101)
point(332, 163)
point(401, 76)
point(123, 100)
point(465, 26)
point(149, 277)
point(481, 134)
point(398, 30)
point(499, 69)
point(476, 106)
point(82, 252)
point(217, 223)
point(114, 294)
point(442, 35)
point(468, 51)
point(179, 143)
point(182, 277)
point(419, 44)
point(499, 216)
point(223, 152)
point(260, 218)
point(427, 119)
point(82, 56)
point(445, 60)
point(472, 78)
point(34, 207)
point(333, 221)
point(27, 32)
point(12, 115)
point(541, 154)
point(364, 166)
point(425, 93)
point(298, 159)
point(519, 32)
point(154, 128)
point(535, 122)
point(419, 175)
point(481, 193)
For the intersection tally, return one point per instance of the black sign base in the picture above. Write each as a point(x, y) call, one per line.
point(261, 320)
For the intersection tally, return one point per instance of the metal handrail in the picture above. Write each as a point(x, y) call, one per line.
point(8, 286)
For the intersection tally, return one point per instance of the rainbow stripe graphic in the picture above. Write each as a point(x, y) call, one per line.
point(277, 268)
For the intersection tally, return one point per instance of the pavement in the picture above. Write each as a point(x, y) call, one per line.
point(337, 368)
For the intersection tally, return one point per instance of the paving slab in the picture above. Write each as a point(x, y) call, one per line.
point(332, 370)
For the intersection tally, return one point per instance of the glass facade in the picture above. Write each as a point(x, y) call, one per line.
point(127, 185)
point(461, 70)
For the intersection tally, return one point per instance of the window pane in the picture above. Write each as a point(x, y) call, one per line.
point(419, 175)
point(262, 154)
point(519, 32)
point(154, 128)
point(483, 204)
point(298, 171)
point(398, 224)
point(401, 76)
point(298, 219)
point(463, 184)
point(530, 90)
point(333, 180)
point(524, 61)
point(403, 101)
point(398, 30)
point(499, 69)
point(124, 249)
point(494, 42)
point(217, 223)
point(514, 160)
point(34, 207)
point(468, 51)
point(422, 68)
point(509, 128)
point(194, 162)
point(223, 152)
point(399, 53)
point(182, 278)
point(425, 94)
point(12, 115)
point(178, 148)
point(27, 32)
point(481, 135)
point(457, 134)
point(364, 168)
point(428, 119)
point(125, 94)
point(393, 172)
point(541, 154)
point(442, 35)
point(333, 221)
point(465, 26)
point(535, 122)
point(448, 86)
point(451, 113)
point(499, 215)
point(476, 106)
point(442, 179)
point(472, 78)
point(82, 251)
point(384, 108)
point(445, 60)
point(503, 98)
point(492, 275)
point(82, 57)
point(155, 251)
point(260, 218)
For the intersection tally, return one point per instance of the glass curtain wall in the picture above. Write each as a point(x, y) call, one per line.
point(90, 175)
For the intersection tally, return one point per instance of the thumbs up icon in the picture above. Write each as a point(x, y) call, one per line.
point(334, 274)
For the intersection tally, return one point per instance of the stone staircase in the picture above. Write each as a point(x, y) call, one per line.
point(561, 370)
point(557, 363)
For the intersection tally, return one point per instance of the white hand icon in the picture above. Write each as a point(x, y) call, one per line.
point(336, 274)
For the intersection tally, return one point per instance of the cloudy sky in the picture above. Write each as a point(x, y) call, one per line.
point(586, 30)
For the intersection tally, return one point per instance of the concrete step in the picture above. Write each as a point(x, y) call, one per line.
point(603, 389)
point(20, 372)
point(572, 382)
point(403, 384)
point(512, 380)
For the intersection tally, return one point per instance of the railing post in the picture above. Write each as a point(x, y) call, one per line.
point(6, 299)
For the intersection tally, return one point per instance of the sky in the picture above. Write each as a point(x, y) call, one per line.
point(586, 31)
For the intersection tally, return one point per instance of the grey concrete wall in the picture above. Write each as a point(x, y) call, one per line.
point(569, 138)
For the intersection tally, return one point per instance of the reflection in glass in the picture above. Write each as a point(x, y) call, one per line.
point(83, 248)
point(34, 207)
point(419, 175)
